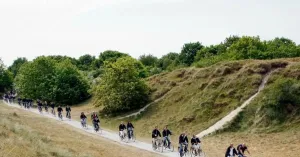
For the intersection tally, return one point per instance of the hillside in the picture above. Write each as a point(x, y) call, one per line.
point(27, 134)
point(192, 99)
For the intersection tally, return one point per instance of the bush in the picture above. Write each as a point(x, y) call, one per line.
point(121, 88)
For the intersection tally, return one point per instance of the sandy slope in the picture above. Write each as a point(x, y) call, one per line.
point(108, 135)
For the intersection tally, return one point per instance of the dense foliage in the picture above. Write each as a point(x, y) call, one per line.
point(47, 79)
point(121, 87)
point(14, 68)
point(6, 79)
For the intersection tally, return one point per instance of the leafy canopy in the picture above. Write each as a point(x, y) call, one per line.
point(47, 79)
point(6, 79)
point(121, 88)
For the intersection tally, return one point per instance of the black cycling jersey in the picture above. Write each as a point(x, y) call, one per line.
point(122, 127)
point(183, 139)
point(240, 147)
point(82, 116)
point(68, 109)
point(156, 133)
point(129, 125)
point(59, 109)
point(166, 133)
point(195, 140)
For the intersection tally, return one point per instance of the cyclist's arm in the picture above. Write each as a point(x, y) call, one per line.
point(248, 151)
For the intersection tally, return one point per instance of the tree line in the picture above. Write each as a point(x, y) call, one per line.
point(116, 80)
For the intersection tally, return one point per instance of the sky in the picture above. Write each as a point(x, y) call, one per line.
point(30, 28)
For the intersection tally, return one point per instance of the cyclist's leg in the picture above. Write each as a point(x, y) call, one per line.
point(169, 141)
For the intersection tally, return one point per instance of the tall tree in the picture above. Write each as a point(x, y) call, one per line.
point(47, 79)
point(148, 60)
point(121, 88)
point(14, 68)
point(188, 52)
point(70, 87)
point(281, 47)
point(6, 79)
point(85, 62)
point(110, 56)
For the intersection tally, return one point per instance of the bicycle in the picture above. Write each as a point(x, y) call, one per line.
point(123, 135)
point(97, 127)
point(83, 123)
point(40, 109)
point(46, 109)
point(197, 151)
point(157, 144)
point(53, 112)
point(131, 135)
point(68, 115)
point(183, 151)
point(167, 145)
point(60, 116)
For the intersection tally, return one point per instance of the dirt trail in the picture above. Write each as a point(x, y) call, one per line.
point(220, 124)
point(106, 134)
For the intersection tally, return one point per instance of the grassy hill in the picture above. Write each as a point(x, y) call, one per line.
point(195, 98)
point(27, 134)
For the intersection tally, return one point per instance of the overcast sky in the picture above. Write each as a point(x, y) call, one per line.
point(29, 28)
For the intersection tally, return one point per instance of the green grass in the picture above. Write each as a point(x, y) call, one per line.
point(196, 98)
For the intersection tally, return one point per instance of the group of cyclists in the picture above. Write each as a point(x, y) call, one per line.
point(240, 151)
point(182, 141)
point(127, 130)
point(46, 105)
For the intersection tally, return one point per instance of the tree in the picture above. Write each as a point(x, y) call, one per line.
point(50, 80)
point(70, 86)
point(121, 87)
point(280, 48)
point(6, 79)
point(110, 56)
point(85, 62)
point(148, 60)
point(36, 79)
point(188, 52)
point(169, 61)
point(14, 68)
point(207, 52)
point(248, 48)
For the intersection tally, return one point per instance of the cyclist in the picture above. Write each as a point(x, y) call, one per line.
point(40, 105)
point(231, 151)
point(46, 106)
point(183, 140)
point(122, 129)
point(83, 119)
point(52, 105)
point(155, 134)
point(195, 141)
point(95, 119)
point(68, 110)
point(59, 111)
point(19, 101)
point(130, 128)
point(241, 150)
point(166, 133)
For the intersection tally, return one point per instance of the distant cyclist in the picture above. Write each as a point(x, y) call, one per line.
point(40, 105)
point(231, 151)
point(46, 106)
point(68, 110)
point(83, 119)
point(183, 140)
point(195, 141)
point(122, 128)
point(166, 135)
point(95, 120)
point(241, 150)
point(59, 111)
point(52, 105)
point(130, 128)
